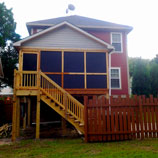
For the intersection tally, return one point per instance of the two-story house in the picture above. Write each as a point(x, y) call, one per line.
point(66, 57)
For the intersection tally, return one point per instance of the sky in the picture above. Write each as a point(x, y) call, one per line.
point(142, 15)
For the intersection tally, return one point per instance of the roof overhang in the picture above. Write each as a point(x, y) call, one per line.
point(120, 28)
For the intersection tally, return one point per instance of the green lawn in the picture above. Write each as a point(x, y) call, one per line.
point(76, 148)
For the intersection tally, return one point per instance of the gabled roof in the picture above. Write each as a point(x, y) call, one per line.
point(108, 46)
point(81, 22)
point(1, 69)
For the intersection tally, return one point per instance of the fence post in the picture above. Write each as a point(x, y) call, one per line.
point(86, 118)
point(141, 117)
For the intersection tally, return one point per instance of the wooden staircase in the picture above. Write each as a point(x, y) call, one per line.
point(62, 102)
point(53, 95)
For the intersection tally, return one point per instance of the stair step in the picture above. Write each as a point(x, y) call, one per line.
point(76, 121)
point(81, 124)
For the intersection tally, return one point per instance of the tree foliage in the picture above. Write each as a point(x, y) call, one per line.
point(141, 79)
point(7, 26)
point(154, 76)
point(144, 75)
point(9, 59)
point(8, 54)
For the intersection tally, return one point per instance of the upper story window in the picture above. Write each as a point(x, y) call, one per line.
point(33, 31)
point(116, 41)
point(115, 78)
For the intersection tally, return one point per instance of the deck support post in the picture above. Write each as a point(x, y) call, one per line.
point(14, 119)
point(24, 122)
point(38, 117)
point(63, 125)
point(18, 117)
point(29, 112)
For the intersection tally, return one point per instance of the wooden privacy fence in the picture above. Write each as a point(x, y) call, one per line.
point(120, 118)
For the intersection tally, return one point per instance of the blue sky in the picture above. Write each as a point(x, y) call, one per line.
point(140, 14)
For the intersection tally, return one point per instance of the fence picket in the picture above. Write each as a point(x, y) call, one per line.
point(121, 119)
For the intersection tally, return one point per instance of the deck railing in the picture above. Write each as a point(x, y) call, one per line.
point(26, 79)
point(38, 80)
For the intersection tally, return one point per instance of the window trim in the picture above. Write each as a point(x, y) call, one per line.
point(119, 77)
point(121, 41)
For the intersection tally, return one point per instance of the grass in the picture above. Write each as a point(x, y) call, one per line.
point(76, 148)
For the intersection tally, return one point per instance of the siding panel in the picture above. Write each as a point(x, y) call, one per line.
point(64, 37)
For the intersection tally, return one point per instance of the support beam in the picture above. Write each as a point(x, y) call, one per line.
point(24, 122)
point(38, 118)
point(63, 125)
point(18, 117)
point(29, 112)
point(14, 120)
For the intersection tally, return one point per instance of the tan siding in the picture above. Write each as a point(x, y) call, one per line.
point(64, 37)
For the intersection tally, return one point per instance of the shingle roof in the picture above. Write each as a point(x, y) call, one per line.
point(80, 21)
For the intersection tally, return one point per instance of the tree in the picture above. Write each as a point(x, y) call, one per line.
point(141, 78)
point(7, 26)
point(154, 76)
point(9, 58)
point(8, 54)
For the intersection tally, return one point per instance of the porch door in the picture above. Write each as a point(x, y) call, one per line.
point(30, 61)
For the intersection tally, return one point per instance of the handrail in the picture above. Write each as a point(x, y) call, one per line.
point(25, 79)
point(36, 80)
point(62, 98)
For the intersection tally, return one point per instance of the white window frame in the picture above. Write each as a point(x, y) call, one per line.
point(119, 77)
point(121, 41)
point(32, 31)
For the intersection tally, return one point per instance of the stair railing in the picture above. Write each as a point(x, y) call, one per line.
point(62, 98)
point(36, 80)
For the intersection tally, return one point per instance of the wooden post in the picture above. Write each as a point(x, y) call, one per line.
point(29, 112)
point(18, 117)
point(63, 124)
point(63, 121)
point(86, 118)
point(14, 120)
point(24, 122)
point(141, 117)
point(38, 117)
point(65, 104)
point(38, 107)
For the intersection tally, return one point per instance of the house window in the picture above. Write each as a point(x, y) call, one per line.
point(116, 41)
point(115, 78)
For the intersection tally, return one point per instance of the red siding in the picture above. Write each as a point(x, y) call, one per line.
point(117, 60)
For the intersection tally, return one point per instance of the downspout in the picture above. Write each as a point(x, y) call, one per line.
point(110, 72)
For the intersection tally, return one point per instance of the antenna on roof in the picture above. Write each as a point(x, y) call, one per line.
point(71, 7)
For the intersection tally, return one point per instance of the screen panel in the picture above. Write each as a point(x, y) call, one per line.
point(56, 78)
point(73, 81)
point(73, 62)
point(29, 62)
point(96, 62)
point(96, 81)
point(51, 61)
